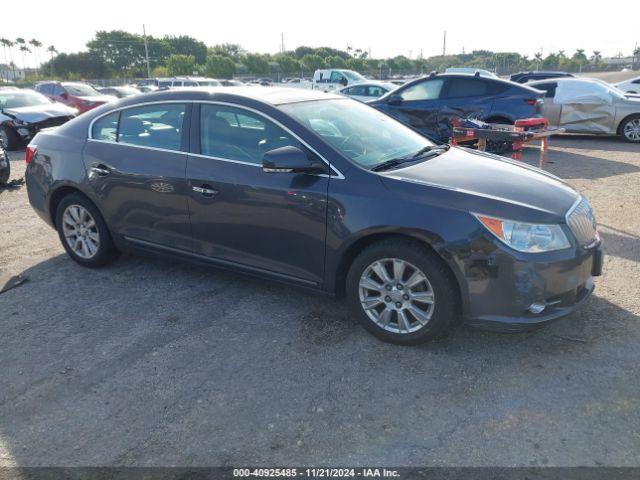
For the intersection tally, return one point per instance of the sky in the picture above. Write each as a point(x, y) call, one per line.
point(387, 29)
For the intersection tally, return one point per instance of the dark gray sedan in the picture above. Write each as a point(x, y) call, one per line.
point(322, 192)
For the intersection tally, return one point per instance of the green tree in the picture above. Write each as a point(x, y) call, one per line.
point(256, 63)
point(219, 66)
point(181, 64)
point(336, 62)
point(288, 64)
point(121, 51)
point(185, 45)
point(313, 62)
point(231, 50)
point(76, 65)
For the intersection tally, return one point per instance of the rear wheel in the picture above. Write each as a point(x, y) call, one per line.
point(630, 129)
point(5, 168)
point(9, 137)
point(402, 292)
point(83, 232)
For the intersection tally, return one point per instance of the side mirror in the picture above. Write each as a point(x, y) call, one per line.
point(64, 95)
point(394, 99)
point(289, 160)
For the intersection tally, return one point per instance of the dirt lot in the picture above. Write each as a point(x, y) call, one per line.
point(150, 362)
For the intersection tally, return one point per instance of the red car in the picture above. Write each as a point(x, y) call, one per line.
point(75, 94)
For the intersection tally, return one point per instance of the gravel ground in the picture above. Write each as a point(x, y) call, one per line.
point(151, 362)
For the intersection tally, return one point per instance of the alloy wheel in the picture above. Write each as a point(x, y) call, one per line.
point(396, 295)
point(632, 130)
point(80, 231)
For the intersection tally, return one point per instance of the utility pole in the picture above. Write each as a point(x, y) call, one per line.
point(444, 44)
point(282, 42)
point(146, 51)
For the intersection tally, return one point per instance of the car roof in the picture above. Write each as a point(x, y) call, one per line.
point(270, 95)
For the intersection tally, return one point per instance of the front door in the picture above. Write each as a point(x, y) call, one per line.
point(418, 106)
point(268, 222)
point(136, 161)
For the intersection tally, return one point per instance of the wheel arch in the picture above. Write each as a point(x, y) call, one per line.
point(60, 192)
point(624, 120)
point(426, 239)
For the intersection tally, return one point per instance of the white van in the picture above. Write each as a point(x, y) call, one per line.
point(333, 79)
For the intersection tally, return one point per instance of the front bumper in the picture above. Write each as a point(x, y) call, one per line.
point(502, 289)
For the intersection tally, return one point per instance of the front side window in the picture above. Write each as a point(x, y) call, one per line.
point(237, 134)
point(336, 77)
point(361, 133)
point(57, 90)
point(425, 90)
point(154, 126)
point(106, 128)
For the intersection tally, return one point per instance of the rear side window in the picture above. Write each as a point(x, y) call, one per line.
point(426, 90)
point(357, 90)
point(154, 126)
point(47, 88)
point(375, 91)
point(467, 87)
point(236, 134)
point(548, 88)
point(106, 128)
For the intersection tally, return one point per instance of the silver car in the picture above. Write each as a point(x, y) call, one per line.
point(583, 105)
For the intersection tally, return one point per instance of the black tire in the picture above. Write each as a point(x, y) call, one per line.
point(12, 139)
point(440, 278)
point(5, 169)
point(624, 123)
point(106, 251)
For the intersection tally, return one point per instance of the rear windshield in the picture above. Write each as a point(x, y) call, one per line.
point(80, 89)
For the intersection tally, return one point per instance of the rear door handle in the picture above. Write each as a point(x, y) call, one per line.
point(205, 190)
point(100, 170)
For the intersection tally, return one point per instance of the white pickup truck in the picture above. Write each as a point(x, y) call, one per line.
point(331, 79)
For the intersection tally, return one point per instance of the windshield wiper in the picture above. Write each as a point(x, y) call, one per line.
point(394, 162)
point(431, 148)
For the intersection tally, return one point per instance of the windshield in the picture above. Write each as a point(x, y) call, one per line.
point(80, 90)
point(361, 133)
point(353, 76)
point(17, 98)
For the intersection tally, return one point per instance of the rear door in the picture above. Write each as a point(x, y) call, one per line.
point(136, 160)
point(466, 97)
point(267, 222)
point(551, 110)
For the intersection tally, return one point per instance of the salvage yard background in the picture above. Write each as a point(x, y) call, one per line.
point(152, 362)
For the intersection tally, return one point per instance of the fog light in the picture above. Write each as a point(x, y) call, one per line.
point(537, 308)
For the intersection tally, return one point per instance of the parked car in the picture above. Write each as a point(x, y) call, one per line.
point(629, 86)
point(232, 83)
point(583, 105)
point(120, 91)
point(524, 77)
point(333, 79)
point(5, 166)
point(297, 83)
point(367, 91)
point(23, 113)
point(78, 95)
point(472, 71)
point(428, 104)
point(324, 192)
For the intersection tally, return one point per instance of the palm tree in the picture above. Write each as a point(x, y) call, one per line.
point(24, 49)
point(9, 44)
point(5, 43)
point(36, 44)
point(52, 51)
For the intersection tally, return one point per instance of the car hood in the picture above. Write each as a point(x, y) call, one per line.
point(99, 98)
point(38, 113)
point(481, 176)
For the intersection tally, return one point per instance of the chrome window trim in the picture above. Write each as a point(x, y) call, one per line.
point(338, 174)
point(157, 149)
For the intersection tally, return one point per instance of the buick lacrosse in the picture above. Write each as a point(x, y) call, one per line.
point(323, 192)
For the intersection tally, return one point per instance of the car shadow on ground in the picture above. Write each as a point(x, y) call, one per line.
point(594, 142)
point(152, 361)
point(571, 165)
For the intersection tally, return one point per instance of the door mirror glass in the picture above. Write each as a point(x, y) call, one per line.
point(394, 99)
point(289, 160)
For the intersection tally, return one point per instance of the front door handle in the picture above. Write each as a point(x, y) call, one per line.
point(100, 170)
point(205, 190)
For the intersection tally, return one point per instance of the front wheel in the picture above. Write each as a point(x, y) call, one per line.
point(83, 232)
point(402, 292)
point(630, 129)
point(9, 137)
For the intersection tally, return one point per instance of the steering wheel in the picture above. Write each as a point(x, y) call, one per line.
point(356, 142)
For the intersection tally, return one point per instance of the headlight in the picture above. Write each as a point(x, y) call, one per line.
point(526, 237)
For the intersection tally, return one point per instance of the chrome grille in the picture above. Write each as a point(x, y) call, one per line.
point(582, 222)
